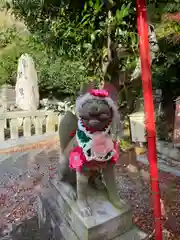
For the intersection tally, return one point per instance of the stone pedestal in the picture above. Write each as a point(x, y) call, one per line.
point(60, 219)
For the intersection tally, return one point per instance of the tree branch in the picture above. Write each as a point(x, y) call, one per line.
point(154, 48)
point(105, 64)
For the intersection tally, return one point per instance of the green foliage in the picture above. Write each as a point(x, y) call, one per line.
point(9, 53)
point(74, 41)
point(56, 77)
point(61, 77)
point(166, 67)
point(7, 36)
point(81, 29)
point(163, 130)
point(7, 63)
point(125, 145)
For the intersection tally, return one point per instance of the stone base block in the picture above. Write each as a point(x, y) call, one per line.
point(133, 234)
point(61, 215)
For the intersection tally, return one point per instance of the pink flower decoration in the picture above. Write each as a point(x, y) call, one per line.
point(99, 93)
point(116, 153)
point(76, 158)
point(102, 144)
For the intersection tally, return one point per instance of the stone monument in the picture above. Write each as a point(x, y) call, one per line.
point(83, 202)
point(27, 91)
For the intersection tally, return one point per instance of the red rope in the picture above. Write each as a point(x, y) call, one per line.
point(149, 112)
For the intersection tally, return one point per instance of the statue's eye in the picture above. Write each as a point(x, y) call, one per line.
point(88, 102)
point(102, 102)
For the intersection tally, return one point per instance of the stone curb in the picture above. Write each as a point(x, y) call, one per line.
point(32, 144)
point(143, 159)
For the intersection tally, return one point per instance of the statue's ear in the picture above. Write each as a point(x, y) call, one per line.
point(112, 91)
point(85, 87)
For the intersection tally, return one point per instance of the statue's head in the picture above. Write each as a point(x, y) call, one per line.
point(95, 107)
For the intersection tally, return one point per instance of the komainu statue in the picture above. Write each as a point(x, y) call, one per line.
point(88, 152)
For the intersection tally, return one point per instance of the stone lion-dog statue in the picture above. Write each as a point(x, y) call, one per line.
point(88, 151)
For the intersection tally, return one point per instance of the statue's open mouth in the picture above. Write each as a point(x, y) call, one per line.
point(94, 122)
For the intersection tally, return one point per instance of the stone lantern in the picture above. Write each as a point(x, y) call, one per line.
point(137, 125)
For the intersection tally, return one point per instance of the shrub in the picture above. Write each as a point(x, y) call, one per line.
point(57, 76)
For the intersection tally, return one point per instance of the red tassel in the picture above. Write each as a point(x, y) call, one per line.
point(72, 134)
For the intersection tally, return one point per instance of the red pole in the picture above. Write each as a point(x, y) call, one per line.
point(149, 112)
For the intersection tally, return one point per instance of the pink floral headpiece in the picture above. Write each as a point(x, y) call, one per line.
point(99, 93)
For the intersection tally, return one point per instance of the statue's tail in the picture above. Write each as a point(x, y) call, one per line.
point(67, 129)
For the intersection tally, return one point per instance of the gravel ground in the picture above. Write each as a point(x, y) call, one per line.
point(18, 199)
point(137, 193)
point(18, 194)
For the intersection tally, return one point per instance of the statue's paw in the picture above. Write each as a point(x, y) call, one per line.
point(117, 202)
point(68, 190)
point(99, 184)
point(85, 210)
point(72, 195)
